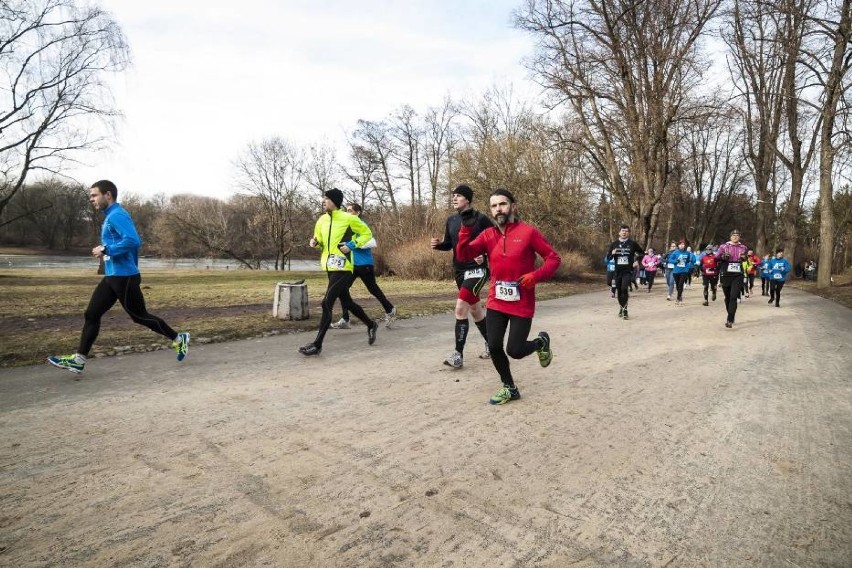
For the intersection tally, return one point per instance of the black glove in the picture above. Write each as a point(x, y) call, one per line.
point(468, 217)
point(725, 256)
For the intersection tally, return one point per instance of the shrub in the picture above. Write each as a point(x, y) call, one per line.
point(414, 259)
point(575, 266)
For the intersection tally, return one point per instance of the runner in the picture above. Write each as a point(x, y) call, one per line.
point(470, 275)
point(779, 268)
point(610, 274)
point(683, 260)
point(669, 271)
point(333, 230)
point(120, 253)
point(753, 266)
point(731, 255)
point(650, 262)
point(765, 274)
point(511, 247)
point(709, 273)
point(362, 261)
point(625, 252)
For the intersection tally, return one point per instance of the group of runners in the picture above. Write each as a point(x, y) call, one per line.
point(503, 251)
point(732, 264)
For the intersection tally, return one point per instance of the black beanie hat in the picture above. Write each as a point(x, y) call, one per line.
point(465, 191)
point(336, 196)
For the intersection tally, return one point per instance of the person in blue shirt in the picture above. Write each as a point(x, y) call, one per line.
point(119, 250)
point(764, 275)
point(610, 274)
point(682, 261)
point(363, 268)
point(668, 267)
point(779, 268)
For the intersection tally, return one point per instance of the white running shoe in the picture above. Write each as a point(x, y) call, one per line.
point(455, 360)
point(485, 354)
point(342, 324)
point(390, 318)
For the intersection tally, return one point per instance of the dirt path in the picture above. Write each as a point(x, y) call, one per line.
point(646, 443)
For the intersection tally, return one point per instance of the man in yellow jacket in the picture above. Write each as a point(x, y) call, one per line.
point(333, 230)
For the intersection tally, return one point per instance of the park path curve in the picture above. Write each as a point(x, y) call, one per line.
point(663, 440)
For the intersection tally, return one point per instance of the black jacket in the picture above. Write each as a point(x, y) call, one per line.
point(451, 237)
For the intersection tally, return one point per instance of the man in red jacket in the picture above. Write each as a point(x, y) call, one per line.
point(511, 247)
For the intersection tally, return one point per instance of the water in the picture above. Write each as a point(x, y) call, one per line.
point(14, 261)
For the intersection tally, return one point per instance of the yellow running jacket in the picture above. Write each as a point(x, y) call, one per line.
point(339, 227)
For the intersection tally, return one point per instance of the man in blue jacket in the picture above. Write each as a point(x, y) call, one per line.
point(119, 249)
point(779, 268)
point(682, 261)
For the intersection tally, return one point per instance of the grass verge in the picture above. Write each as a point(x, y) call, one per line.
point(840, 292)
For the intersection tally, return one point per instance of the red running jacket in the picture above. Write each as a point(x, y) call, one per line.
point(510, 256)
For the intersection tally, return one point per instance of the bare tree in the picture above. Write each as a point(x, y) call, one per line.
point(408, 133)
point(756, 60)
point(53, 56)
point(273, 171)
point(378, 143)
point(624, 68)
point(440, 141)
point(322, 168)
point(832, 69)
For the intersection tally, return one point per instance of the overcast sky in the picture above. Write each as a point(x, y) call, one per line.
point(208, 78)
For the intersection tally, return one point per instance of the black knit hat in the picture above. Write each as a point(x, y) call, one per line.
point(336, 196)
point(465, 191)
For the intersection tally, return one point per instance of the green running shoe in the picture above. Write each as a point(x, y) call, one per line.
point(545, 355)
point(181, 345)
point(505, 394)
point(67, 362)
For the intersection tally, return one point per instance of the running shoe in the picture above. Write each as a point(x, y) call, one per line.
point(342, 324)
point(621, 312)
point(181, 345)
point(714, 295)
point(371, 332)
point(487, 353)
point(706, 303)
point(67, 362)
point(625, 314)
point(390, 318)
point(310, 349)
point(545, 354)
point(505, 394)
point(729, 324)
point(669, 298)
point(455, 360)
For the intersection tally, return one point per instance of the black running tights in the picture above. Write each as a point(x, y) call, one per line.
point(126, 290)
point(339, 283)
point(731, 287)
point(517, 347)
point(367, 274)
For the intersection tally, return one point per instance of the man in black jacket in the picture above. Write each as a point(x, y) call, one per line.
point(626, 252)
point(470, 276)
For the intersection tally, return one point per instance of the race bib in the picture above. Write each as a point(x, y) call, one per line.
point(622, 261)
point(670, 265)
point(710, 271)
point(735, 267)
point(507, 291)
point(336, 262)
point(777, 276)
point(474, 273)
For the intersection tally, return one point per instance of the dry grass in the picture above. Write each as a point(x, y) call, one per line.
point(42, 312)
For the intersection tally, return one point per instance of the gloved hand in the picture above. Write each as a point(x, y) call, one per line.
point(725, 256)
point(468, 217)
point(527, 280)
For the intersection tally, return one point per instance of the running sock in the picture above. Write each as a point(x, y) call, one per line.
point(462, 325)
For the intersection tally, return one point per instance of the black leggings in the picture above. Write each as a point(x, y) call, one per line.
point(731, 287)
point(339, 282)
point(517, 347)
point(764, 286)
point(367, 274)
point(775, 291)
point(710, 282)
point(126, 290)
point(649, 277)
point(680, 279)
point(623, 280)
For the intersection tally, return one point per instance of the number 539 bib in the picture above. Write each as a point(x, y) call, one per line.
point(507, 291)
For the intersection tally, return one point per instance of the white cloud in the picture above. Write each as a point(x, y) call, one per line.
point(208, 80)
